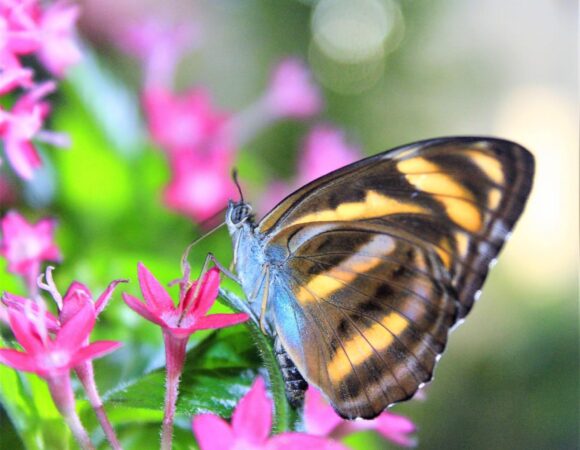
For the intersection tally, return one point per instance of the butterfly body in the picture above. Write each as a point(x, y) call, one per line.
point(362, 273)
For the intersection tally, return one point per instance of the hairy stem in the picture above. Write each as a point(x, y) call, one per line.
point(63, 397)
point(87, 379)
point(174, 360)
point(282, 411)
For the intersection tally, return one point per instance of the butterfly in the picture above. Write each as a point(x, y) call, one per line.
point(361, 274)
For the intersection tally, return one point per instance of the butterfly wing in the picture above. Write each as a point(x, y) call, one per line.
point(459, 196)
point(383, 257)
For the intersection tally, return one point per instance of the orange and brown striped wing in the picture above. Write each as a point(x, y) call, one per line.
point(372, 308)
point(383, 257)
point(459, 197)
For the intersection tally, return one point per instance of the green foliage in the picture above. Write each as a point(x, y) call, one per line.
point(218, 372)
point(30, 410)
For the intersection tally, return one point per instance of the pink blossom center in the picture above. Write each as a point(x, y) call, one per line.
point(185, 130)
point(26, 248)
point(204, 189)
point(54, 359)
point(171, 318)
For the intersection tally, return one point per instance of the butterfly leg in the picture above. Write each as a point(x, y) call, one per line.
point(226, 272)
point(294, 382)
point(238, 304)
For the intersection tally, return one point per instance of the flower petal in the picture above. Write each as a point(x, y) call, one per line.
point(25, 331)
point(292, 92)
point(104, 298)
point(397, 429)
point(142, 309)
point(76, 297)
point(23, 304)
point(17, 360)
point(93, 351)
point(219, 321)
point(154, 293)
point(208, 292)
point(302, 441)
point(76, 330)
point(319, 417)
point(23, 157)
point(252, 418)
point(212, 432)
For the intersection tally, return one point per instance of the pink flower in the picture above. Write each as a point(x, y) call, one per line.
point(47, 356)
point(325, 149)
point(32, 310)
point(77, 298)
point(160, 45)
point(26, 246)
point(178, 323)
point(19, 126)
point(18, 27)
point(190, 313)
point(58, 48)
point(250, 428)
point(201, 183)
point(52, 347)
point(320, 419)
point(291, 92)
point(180, 122)
point(12, 74)
point(25, 28)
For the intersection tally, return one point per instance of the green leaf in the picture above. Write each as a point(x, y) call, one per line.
point(28, 404)
point(219, 370)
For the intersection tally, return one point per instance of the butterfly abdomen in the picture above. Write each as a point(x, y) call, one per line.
point(294, 381)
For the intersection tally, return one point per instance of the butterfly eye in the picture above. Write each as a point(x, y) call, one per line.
point(240, 213)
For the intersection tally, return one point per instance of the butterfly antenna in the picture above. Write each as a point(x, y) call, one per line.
point(185, 256)
point(237, 183)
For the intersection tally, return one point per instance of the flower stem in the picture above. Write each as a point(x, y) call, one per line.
point(63, 397)
point(86, 376)
point(282, 410)
point(175, 358)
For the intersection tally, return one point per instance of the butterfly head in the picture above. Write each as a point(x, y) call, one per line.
point(238, 214)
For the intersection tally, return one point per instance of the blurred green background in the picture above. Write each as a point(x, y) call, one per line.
point(392, 72)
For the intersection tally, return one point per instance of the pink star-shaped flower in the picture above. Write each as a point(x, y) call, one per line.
point(178, 323)
point(160, 45)
point(325, 149)
point(22, 124)
point(291, 92)
point(12, 74)
point(77, 299)
point(186, 121)
point(321, 419)
point(26, 246)
point(201, 183)
point(190, 313)
point(251, 426)
point(18, 27)
point(51, 357)
point(58, 49)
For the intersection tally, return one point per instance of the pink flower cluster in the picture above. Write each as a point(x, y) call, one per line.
point(28, 27)
point(201, 141)
point(26, 246)
point(55, 345)
point(251, 425)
